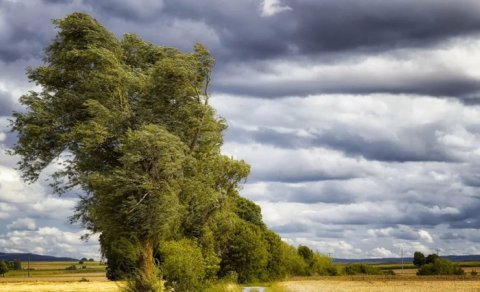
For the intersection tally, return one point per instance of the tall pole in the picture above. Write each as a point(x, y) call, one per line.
point(28, 266)
point(401, 254)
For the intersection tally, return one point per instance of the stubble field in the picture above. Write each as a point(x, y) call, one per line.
point(53, 277)
point(381, 286)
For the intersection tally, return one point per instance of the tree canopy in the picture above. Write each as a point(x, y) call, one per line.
point(130, 124)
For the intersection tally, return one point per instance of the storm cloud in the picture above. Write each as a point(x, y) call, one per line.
point(360, 117)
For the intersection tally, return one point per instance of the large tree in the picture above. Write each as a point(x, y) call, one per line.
point(130, 123)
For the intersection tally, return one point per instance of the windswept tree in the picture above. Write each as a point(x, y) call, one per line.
point(131, 124)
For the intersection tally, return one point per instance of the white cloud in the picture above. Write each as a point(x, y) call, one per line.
point(23, 224)
point(272, 7)
point(51, 241)
point(425, 236)
point(381, 252)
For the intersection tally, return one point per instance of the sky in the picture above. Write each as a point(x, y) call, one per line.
point(360, 118)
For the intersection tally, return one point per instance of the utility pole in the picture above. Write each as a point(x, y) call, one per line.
point(28, 266)
point(401, 255)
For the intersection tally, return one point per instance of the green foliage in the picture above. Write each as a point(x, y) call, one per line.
point(246, 254)
point(293, 262)
point(139, 281)
point(71, 268)
point(248, 211)
point(223, 286)
point(316, 264)
point(361, 269)
point(121, 254)
point(431, 258)
point(419, 259)
point(440, 267)
point(3, 268)
point(183, 265)
point(131, 124)
point(276, 264)
point(14, 265)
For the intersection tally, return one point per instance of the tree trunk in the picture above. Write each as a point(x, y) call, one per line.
point(146, 267)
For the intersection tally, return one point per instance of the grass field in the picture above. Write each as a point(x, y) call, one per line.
point(53, 277)
point(56, 271)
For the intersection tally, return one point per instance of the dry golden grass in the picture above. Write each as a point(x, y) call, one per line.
point(70, 278)
point(60, 286)
point(61, 265)
point(380, 286)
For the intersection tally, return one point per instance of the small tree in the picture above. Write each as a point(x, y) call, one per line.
point(431, 258)
point(419, 259)
point(183, 265)
point(3, 268)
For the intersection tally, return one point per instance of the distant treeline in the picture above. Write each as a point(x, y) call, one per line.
point(6, 266)
point(24, 257)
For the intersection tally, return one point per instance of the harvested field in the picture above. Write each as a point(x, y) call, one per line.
point(381, 286)
point(59, 286)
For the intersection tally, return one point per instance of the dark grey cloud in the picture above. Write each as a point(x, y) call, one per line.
point(287, 175)
point(472, 177)
point(7, 104)
point(349, 24)
point(452, 236)
point(290, 228)
point(309, 27)
point(319, 191)
point(418, 144)
point(443, 84)
point(237, 33)
point(312, 27)
point(343, 166)
point(146, 11)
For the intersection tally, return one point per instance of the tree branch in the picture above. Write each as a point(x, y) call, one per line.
point(138, 203)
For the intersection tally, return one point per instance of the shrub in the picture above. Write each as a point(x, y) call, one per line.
point(322, 265)
point(440, 267)
point(293, 262)
point(246, 254)
point(431, 258)
point(71, 268)
point(183, 265)
point(316, 263)
point(356, 269)
point(15, 265)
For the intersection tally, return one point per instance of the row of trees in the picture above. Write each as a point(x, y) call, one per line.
point(234, 244)
point(419, 259)
point(434, 265)
point(132, 125)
